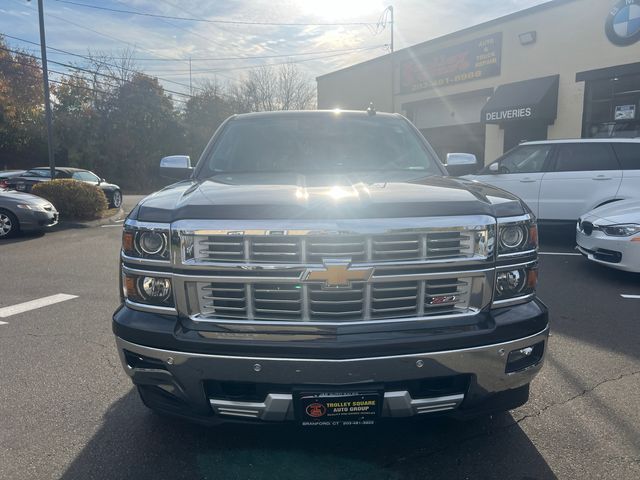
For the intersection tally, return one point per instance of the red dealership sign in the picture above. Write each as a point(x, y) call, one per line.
point(472, 60)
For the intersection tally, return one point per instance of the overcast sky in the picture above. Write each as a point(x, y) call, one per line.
point(75, 28)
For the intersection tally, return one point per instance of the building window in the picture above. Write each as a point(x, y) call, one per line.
point(612, 107)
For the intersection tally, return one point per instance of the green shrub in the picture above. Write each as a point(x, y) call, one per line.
point(73, 199)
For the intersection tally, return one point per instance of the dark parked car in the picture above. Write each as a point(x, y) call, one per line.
point(5, 175)
point(25, 182)
point(24, 212)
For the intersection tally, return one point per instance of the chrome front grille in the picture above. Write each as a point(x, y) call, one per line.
point(288, 301)
point(259, 272)
point(283, 248)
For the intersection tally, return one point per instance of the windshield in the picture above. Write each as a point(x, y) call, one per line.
point(324, 144)
point(36, 172)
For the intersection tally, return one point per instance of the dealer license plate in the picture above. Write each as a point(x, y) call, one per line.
point(338, 408)
point(21, 186)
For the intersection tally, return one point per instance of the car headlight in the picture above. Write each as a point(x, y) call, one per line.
point(517, 237)
point(26, 206)
point(516, 283)
point(622, 230)
point(147, 243)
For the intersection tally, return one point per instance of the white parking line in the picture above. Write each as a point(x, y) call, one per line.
point(630, 296)
point(33, 304)
point(569, 254)
point(4, 323)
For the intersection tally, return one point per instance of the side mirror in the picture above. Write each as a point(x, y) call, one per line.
point(461, 164)
point(494, 167)
point(177, 167)
point(102, 180)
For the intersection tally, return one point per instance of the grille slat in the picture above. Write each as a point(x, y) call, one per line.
point(457, 238)
point(335, 244)
point(330, 254)
point(335, 302)
point(279, 300)
point(393, 309)
point(336, 314)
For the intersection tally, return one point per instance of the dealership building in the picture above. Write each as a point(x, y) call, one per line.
point(562, 69)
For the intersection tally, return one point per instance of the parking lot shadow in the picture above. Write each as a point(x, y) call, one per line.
point(134, 443)
point(21, 237)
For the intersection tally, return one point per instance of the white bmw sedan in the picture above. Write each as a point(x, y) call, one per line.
point(610, 235)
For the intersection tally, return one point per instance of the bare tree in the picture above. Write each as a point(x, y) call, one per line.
point(267, 88)
point(112, 70)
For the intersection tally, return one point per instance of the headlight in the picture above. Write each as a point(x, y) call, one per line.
point(516, 283)
point(151, 243)
point(623, 230)
point(512, 236)
point(146, 243)
point(25, 206)
point(147, 289)
point(516, 237)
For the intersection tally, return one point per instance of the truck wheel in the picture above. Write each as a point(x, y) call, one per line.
point(9, 225)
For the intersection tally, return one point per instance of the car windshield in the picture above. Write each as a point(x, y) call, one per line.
point(38, 172)
point(324, 144)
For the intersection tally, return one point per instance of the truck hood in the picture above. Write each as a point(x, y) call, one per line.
point(278, 196)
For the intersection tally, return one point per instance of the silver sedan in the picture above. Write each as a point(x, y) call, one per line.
point(24, 212)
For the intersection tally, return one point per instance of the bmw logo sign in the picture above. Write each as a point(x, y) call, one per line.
point(623, 23)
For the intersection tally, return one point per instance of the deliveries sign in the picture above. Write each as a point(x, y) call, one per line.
point(468, 61)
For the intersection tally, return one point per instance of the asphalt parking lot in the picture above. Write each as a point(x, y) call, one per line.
point(67, 410)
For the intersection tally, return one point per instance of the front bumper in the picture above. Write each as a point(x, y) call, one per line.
point(37, 220)
point(622, 253)
point(180, 379)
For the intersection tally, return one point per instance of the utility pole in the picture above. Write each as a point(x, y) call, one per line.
point(47, 99)
point(393, 62)
point(190, 87)
point(391, 22)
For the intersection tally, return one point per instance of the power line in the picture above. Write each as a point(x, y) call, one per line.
point(228, 22)
point(215, 70)
point(93, 72)
point(85, 57)
point(253, 57)
point(106, 35)
point(251, 67)
point(190, 32)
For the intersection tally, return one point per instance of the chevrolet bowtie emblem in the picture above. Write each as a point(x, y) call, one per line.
point(336, 275)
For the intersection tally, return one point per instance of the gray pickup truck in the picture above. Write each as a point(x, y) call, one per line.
point(323, 268)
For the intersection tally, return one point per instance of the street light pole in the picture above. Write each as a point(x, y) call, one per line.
point(393, 63)
point(47, 99)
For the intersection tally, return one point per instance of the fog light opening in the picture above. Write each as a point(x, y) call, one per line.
point(524, 358)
